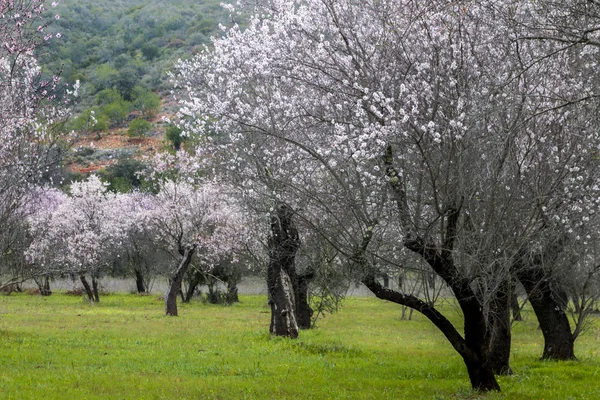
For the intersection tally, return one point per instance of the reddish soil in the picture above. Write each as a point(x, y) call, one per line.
point(116, 139)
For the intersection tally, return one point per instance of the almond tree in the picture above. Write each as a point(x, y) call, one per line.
point(422, 126)
point(78, 235)
point(194, 221)
point(36, 204)
point(28, 111)
point(560, 42)
point(138, 249)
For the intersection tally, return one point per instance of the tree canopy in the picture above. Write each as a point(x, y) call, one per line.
point(437, 134)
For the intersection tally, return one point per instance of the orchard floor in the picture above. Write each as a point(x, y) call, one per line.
point(60, 347)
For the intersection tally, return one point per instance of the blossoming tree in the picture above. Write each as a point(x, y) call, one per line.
point(79, 234)
point(194, 221)
point(416, 128)
point(28, 110)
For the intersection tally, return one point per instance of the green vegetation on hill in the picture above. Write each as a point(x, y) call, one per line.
point(120, 52)
point(120, 44)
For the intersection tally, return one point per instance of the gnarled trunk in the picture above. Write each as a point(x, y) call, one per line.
point(499, 339)
point(283, 316)
point(548, 302)
point(547, 298)
point(558, 339)
point(283, 245)
point(548, 306)
point(175, 285)
point(470, 348)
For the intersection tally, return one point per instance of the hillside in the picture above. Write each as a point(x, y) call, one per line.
point(108, 43)
point(120, 52)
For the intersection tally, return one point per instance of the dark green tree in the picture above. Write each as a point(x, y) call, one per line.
point(126, 80)
point(150, 51)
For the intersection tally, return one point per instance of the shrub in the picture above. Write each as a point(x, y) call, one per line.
point(139, 127)
point(108, 96)
point(90, 120)
point(116, 111)
point(146, 101)
point(173, 135)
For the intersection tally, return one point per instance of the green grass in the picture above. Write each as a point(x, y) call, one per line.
point(60, 347)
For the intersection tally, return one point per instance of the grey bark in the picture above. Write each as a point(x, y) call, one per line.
point(283, 315)
point(283, 245)
point(175, 285)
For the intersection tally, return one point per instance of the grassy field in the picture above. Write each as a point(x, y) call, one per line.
point(60, 347)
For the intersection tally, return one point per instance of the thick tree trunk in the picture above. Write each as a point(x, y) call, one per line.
point(547, 299)
point(303, 310)
point(139, 281)
point(558, 340)
point(194, 282)
point(499, 340)
point(175, 285)
point(87, 288)
point(475, 357)
point(473, 347)
point(283, 316)
point(481, 375)
point(283, 245)
point(548, 307)
point(480, 372)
